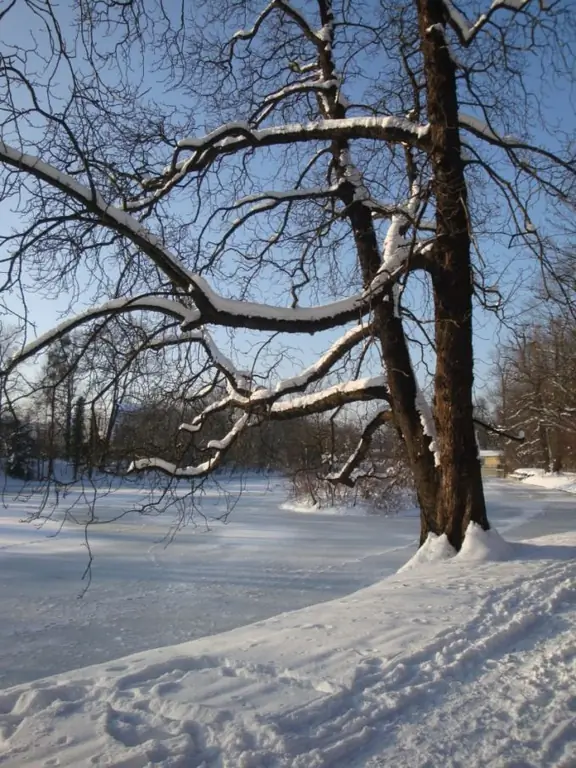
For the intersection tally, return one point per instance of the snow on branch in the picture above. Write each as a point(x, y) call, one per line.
point(289, 10)
point(345, 475)
point(428, 424)
point(211, 307)
point(318, 369)
point(238, 380)
point(263, 398)
point(358, 390)
point(395, 129)
point(517, 437)
point(466, 31)
point(283, 5)
point(199, 470)
point(482, 131)
point(270, 101)
point(159, 304)
point(333, 397)
point(263, 317)
point(233, 137)
point(316, 402)
point(248, 34)
point(114, 218)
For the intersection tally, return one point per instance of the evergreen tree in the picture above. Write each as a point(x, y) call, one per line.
point(21, 445)
point(60, 386)
point(78, 434)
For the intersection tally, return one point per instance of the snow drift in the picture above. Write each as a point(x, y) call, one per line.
point(366, 680)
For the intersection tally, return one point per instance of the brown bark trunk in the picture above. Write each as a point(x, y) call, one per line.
point(400, 375)
point(395, 352)
point(460, 497)
point(402, 386)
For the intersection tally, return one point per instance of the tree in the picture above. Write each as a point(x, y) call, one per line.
point(344, 160)
point(59, 387)
point(20, 448)
point(78, 434)
point(537, 389)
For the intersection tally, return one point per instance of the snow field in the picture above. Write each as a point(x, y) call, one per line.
point(458, 661)
point(455, 660)
point(561, 481)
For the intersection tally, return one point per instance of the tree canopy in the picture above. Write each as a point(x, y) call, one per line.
point(287, 168)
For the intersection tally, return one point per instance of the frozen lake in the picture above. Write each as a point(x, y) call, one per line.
point(144, 593)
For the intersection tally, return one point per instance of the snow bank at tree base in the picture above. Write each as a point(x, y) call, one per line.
point(479, 546)
point(561, 481)
point(462, 661)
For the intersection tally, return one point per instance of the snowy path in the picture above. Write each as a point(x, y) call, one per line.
point(144, 595)
point(500, 689)
point(456, 663)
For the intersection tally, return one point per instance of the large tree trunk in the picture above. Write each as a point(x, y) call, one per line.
point(460, 497)
point(400, 375)
point(402, 386)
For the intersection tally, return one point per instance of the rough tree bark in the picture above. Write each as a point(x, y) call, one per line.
point(460, 497)
point(389, 328)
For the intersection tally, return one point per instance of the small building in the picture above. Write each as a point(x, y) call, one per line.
point(492, 461)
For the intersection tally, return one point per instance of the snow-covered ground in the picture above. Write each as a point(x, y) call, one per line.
point(562, 481)
point(453, 663)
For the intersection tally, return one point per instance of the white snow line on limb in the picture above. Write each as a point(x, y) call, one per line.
point(348, 388)
point(247, 34)
point(199, 470)
point(468, 122)
point(345, 474)
point(428, 424)
point(467, 31)
point(115, 306)
point(265, 401)
point(263, 397)
point(226, 441)
point(171, 469)
point(348, 340)
point(290, 318)
point(316, 129)
point(211, 306)
point(113, 217)
point(221, 360)
point(219, 405)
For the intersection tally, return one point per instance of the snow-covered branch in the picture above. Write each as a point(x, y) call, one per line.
point(273, 99)
point(263, 399)
point(113, 218)
point(467, 31)
point(237, 379)
point(482, 131)
point(159, 304)
point(199, 470)
point(358, 390)
point(428, 424)
point(248, 34)
point(313, 403)
point(211, 307)
point(233, 137)
point(517, 437)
